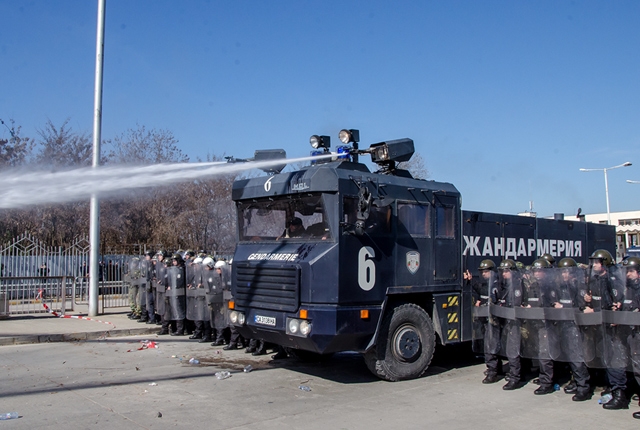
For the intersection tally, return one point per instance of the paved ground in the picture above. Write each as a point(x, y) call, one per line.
point(110, 383)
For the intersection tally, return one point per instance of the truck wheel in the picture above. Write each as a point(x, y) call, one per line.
point(406, 344)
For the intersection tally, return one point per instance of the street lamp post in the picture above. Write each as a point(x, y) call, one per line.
point(606, 184)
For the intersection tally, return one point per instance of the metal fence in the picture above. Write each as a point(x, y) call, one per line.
point(32, 273)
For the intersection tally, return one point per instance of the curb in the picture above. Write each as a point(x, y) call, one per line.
point(74, 337)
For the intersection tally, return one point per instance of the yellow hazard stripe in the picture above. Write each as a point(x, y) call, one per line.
point(452, 301)
point(452, 317)
point(452, 334)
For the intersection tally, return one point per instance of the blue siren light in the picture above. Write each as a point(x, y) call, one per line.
point(344, 153)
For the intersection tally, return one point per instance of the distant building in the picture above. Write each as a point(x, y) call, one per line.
point(627, 228)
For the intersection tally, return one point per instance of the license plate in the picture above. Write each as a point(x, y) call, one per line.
point(259, 319)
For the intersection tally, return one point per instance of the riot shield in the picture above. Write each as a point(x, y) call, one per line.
point(536, 299)
point(504, 328)
point(161, 287)
point(480, 291)
point(565, 339)
point(213, 284)
point(176, 292)
point(589, 320)
point(160, 302)
point(622, 321)
point(191, 303)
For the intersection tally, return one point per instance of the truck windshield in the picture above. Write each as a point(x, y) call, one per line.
point(295, 218)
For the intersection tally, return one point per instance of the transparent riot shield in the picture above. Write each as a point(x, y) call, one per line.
point(535, 340)
point(622, 320)
point(566, 301)
point(191, 303)
point(506, 296)
point(480, 291)
point(589, 320)
point(176, 292)
point(214, 297)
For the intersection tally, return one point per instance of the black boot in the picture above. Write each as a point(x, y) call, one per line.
point(513, 384)
point(491, 378)
point(636, 415)
point(179, 328)
point(544, 389)
point(619, 401)
point(581, 396)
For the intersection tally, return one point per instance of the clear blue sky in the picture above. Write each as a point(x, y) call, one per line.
point(504, 99)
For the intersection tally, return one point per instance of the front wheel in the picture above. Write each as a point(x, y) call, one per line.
point(405, 345)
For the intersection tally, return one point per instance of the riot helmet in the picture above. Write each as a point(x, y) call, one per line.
point(197, 260)
point(487, 265)
point(177, 257)
point(208, 262)
point(508, 264)
point(540, 263)
point(603, 255)
point(632, 263)
point(548, 257)
point(190, 252)
point(220, 264)
point(567, 262)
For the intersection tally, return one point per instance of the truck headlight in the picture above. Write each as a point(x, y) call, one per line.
point(241, 318)
point(294, 326)
point(233, 317)
point(305, 327)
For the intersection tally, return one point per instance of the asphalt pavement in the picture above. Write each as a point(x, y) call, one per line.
point(81, 374)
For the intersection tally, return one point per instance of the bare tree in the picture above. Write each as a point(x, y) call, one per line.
point(62, 147)
point(142, 146)
point(415, 166)
point(15, 150)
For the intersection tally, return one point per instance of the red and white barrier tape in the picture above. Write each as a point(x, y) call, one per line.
point(56, 314)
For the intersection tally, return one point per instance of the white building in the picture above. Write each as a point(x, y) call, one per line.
point(627, 228)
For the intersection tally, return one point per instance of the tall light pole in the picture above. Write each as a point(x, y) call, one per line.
point(606, 184)
point(94, 208)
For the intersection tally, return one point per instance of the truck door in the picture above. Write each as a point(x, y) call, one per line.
point(447, 241)
point(414, 244)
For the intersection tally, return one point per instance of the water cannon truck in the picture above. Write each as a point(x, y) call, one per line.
point(334, 257)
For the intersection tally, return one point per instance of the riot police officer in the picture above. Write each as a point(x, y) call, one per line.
point(617, 332)
point(604, 295)
point(175, 296)
point(567, 345)
point(631, 306)
point(480, 291)
point(503, 327)
point(161, 288)
point(539, 295)
point(214, 281)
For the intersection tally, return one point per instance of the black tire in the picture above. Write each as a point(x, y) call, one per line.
point(406, 343)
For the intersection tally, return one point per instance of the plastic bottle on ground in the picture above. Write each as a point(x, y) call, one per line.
point(605, 398)
point(222, 375)
point(9, 416)
point(304, 388)
point(248, 368)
